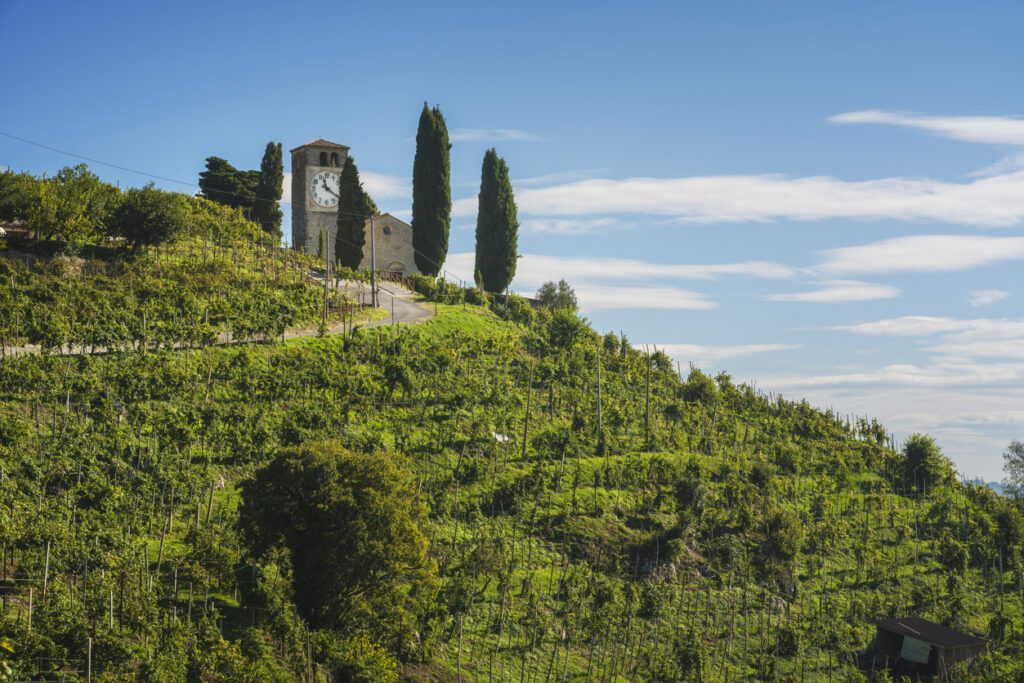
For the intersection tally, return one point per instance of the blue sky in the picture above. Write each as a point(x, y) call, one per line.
point(824, 198)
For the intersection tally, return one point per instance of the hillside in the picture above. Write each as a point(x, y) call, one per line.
point(702, 531)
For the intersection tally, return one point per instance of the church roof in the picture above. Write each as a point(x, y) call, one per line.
point(320, 142)
point(396, 220)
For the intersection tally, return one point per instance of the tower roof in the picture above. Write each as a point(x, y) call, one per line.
point(320, 142)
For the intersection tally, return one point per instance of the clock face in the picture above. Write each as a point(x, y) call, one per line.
point(323, 189)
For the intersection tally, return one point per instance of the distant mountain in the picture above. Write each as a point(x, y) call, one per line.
point(994, 485)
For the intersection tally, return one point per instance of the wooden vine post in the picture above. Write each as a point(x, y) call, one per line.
point(526, 422)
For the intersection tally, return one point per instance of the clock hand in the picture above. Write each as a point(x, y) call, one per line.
point(329, 189)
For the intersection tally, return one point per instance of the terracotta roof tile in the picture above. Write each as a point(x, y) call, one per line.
point(320, 142)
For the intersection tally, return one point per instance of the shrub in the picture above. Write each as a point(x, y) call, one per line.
point(424, 285)
point(519, 310)
point(783, 535)
point(923, 462)
point(699, 388)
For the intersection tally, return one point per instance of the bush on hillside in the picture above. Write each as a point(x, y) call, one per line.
point(148, 216)
point(924, 465)
point(699, 388)
point(424, 285)
point(350, 523)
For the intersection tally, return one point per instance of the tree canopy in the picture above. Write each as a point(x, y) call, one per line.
point(353, 208)
point(431, 192)
point(557, 296)
point(17, 191)
point(74, 205)
point(223, 183)
point(150, 216)
point(350, 524)
point(1013, 465)
point(269, 190)
point(497, 227)
point(923, 462)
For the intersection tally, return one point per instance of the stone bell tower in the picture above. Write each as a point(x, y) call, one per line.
point(316, 171)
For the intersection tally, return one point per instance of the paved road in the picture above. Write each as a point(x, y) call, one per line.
point(398, 302)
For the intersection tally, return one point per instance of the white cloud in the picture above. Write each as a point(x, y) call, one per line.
point(560, 177)
point(595, 297)
point(1008, 164)
point(922, 253)
point(461, 265)
point(567, 226)
point(908, 326)
point(992, 130)
point(382, 186)
point(984, 297)
point(634, 284)
point(286, 189)
point(709, 355)
point(1003, 348)
point(533, 270)
point(966, 330)
point(943, 373)
point(490, 135)
point(836, 291)
point(466, 208)
point(993, 201)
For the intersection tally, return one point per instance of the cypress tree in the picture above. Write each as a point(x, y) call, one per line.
point(497, 228)
point(269, 189)
point(431, 192)
point(353, 208)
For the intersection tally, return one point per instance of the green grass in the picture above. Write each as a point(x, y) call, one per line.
point(469, 320)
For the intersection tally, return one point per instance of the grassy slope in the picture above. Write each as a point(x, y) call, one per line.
point(560, 561)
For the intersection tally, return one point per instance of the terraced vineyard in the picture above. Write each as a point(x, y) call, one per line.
point(589, 513)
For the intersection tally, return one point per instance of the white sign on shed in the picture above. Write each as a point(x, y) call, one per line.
point(915, 650)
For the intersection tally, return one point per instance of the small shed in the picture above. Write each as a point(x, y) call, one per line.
point(922, 649)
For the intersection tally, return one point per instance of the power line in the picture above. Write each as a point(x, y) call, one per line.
point(194, 185)
point(148, 174)
point(96, 161)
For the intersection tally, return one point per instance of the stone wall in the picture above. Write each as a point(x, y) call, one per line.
point(308, 219)
point(392, 245)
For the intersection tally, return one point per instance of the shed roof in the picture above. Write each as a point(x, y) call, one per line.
point(934, 634)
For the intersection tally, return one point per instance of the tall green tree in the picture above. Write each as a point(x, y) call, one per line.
point(923, 462)
point(350, 523)
point(497, 227)
point(150, 216)
point(17, 193)
point(1013, 465)
point(73, 205)
point(223, 183)
point(431, 192)
point(557, 296)
point(269, 190)
point(353, 209)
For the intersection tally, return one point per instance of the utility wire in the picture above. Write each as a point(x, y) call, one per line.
point(150, 175)
point(194, 185)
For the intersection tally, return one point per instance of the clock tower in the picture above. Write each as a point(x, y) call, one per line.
point(316, 170)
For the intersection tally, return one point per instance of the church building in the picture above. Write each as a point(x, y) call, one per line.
point(316, 172)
